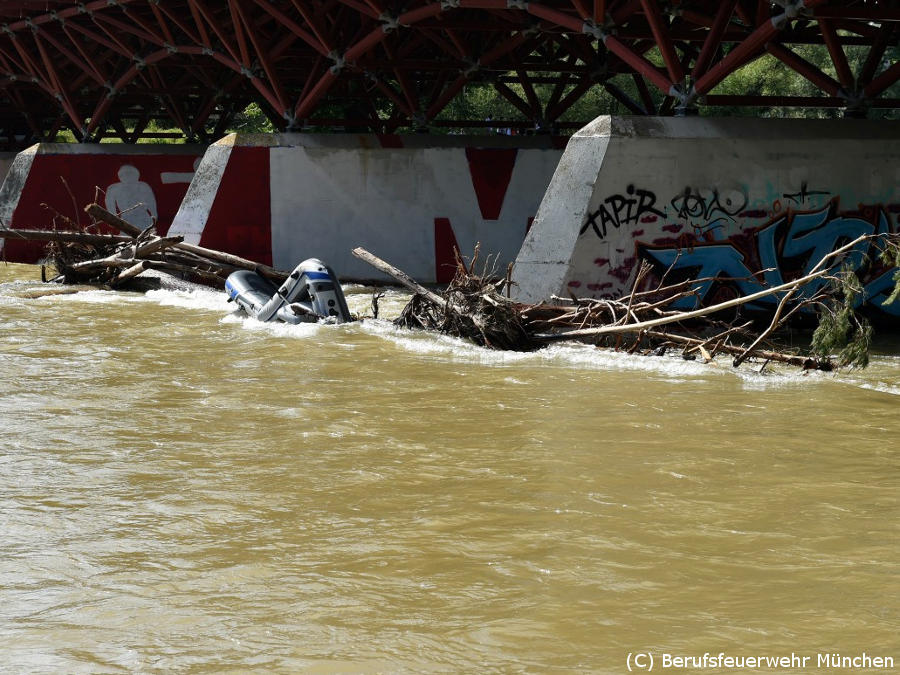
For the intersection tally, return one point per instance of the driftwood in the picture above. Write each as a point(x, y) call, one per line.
point(65, 236)
point(230, 261)
point(112, 219)
point(470, 307)
point(680, 316)
point(805, 362)
point(789, 288)
point(473, 307)
point(127, 256)
point(397, 274)
point(117, 259)
point(130, 273)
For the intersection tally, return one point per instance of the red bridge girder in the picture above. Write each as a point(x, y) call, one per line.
point(110, 67)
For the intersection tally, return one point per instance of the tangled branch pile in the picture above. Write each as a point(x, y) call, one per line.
point(474, 307)
point(85, 255)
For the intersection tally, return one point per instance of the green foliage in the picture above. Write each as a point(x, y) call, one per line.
point(891, 256)
point(64, 136)
point(856, 352)
point(252, 120)
point(837, 334)
point(892, 298)
point(480, 101)
point(767, 76)
point(598, 101)
point(840, 330)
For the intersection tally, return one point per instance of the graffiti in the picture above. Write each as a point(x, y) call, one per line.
point(623, 271)
point(635, 206)
point(787, 247)
point(170, 177)
point(804, 194)
point(738, 244)
point(812, 236)
point(714, 264)
point(707, 209)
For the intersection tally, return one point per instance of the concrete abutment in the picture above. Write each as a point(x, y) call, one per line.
point(409, 199)
point(51, 182)
point(712, 197)
point(706, 197)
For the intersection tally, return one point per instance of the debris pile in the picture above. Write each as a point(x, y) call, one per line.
point(474, 307)
point(87, 255)
point(478, 307)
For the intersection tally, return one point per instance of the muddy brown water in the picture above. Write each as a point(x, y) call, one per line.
point(186, 491)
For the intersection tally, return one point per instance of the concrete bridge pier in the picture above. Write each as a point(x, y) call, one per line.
point(410, 199)
point(703, 197)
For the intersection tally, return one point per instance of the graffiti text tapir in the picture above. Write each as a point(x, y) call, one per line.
point(618, 210)
point(787, 247)
point(712, 207)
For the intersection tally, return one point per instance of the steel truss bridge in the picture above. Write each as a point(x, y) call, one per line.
point(113, 68)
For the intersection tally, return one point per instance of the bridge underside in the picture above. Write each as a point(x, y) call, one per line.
point(126, 68)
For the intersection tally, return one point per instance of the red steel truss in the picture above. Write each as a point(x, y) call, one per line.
point(111, 67)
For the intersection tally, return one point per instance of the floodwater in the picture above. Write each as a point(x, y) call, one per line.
point(183, 490)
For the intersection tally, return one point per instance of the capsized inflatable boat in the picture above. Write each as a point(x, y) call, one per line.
point(310, 293)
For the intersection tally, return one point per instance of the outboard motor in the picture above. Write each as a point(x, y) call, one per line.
point(314, 288)
point(310, 293)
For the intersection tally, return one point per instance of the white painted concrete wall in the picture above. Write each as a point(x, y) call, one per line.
point(719, 188)
point(325, 203)
point(6, 160)
point(331, 193)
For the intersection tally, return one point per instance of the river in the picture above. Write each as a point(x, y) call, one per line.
point(184, 490)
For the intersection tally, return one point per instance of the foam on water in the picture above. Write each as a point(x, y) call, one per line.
point(199, 298)
point(97, 297)
point(275, 328)
point(881, 387)
point(443, 347)
point(584, 356)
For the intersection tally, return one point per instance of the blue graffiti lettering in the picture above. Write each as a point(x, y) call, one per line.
point(877, 291)
point(787, 248)
point(709, 263)
point(814, 235)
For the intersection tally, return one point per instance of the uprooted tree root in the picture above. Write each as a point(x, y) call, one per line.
point(473, 307)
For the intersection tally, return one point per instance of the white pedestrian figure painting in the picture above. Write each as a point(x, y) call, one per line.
point(133, 195)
